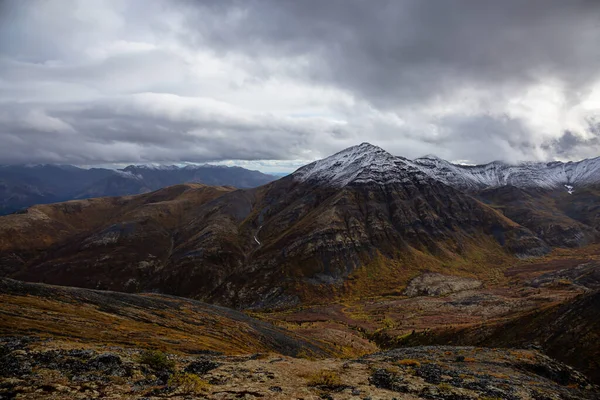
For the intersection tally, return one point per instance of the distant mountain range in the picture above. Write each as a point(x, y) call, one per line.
point(22, 186)
point(361, 221)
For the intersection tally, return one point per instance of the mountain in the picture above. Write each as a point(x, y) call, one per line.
point(361, 222)
point(553, 175)
point(136, 230)
point(25, 185)
point(557, 201)
point(22, 186)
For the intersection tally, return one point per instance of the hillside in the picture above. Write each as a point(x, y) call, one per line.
point(145, 321)
point(569, 332)
point(71, 343)
point(359, 223)
point(134, 224)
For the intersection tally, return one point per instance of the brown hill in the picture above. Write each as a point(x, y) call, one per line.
point(98, 239)
point(275, 245)
point(145, 321)
point(71, 343)
point(569, 332)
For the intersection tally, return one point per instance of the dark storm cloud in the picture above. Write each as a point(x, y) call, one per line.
point(138, 81)
point(570, 145)
point(403, 51)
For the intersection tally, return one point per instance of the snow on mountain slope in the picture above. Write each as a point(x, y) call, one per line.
point(368, 163)
point(358, 164)
point(528, 174)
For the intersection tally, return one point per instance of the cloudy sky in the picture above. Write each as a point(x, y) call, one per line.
point(271, 83)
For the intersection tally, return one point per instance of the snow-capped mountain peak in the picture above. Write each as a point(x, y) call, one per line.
point(550, 175)
point(368, 163)
point(357, 164)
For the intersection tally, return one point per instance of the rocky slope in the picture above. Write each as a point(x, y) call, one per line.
point(135, 229)
point(51, 370)
point(72, 343)
point(568, 331)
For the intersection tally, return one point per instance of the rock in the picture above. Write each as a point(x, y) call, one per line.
point(11, 366)
point(431, 373)
point(201, 366)
point(432, 284)
point(385, 379)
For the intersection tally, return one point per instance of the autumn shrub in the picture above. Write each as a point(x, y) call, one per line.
point(324, 378)
point(157, 360)
point(185, 382)
point(408, 362)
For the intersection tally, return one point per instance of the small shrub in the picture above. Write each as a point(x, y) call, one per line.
point(409, 363)
point(307, 355)
point(445, 387)
point(188, 383)
point(388, 322)
point(157, 360)
point(324, 378)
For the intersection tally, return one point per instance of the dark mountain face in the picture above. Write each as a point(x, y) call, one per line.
point(559, 218)
point(292, 240)
point(24, 186)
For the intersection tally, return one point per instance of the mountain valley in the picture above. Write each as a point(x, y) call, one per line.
point(361, 222)
point(358, 253)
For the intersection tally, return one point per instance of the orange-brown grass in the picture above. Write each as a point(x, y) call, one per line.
point(409, 363)
point(179, 330)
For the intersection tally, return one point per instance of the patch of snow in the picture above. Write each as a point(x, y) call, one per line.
point(255, 238)
point(158, 167)
point(128, 174)
point(569, 189)
point(528, 174)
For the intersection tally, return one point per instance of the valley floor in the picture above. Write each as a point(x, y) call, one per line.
point(72, 343)
point(358, 326)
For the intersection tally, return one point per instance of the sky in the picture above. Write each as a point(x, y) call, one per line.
point(272, 84)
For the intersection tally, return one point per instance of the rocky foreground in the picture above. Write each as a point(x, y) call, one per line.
point(31, 368)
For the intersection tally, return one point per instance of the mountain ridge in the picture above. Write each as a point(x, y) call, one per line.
point(22, 186)
point(366, 162)
point(360, 221)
